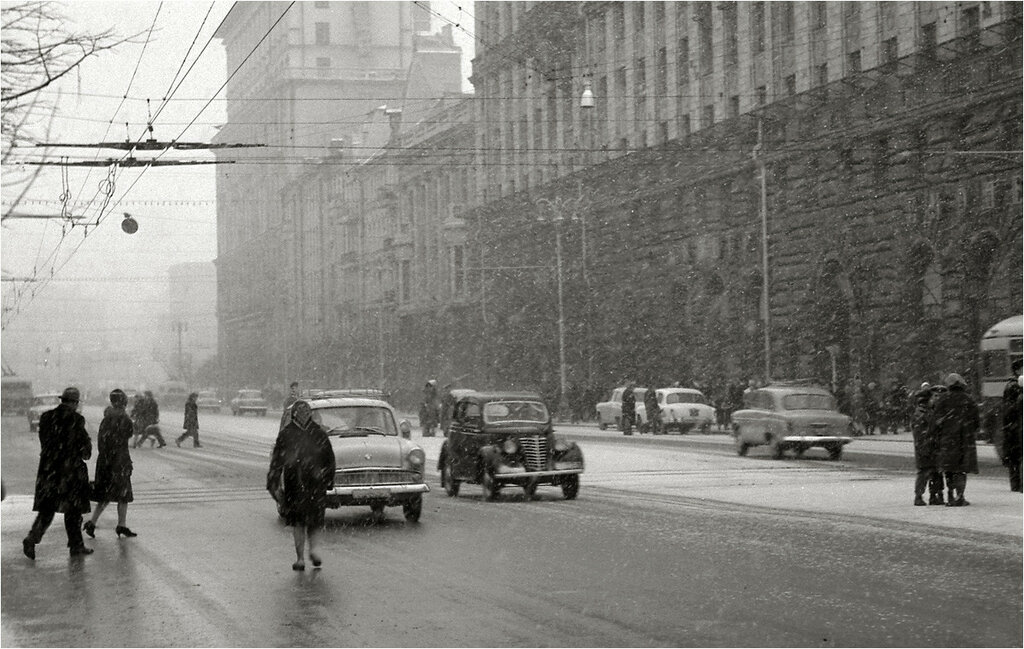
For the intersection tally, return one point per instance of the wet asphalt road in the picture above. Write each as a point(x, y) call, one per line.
point(668, 544)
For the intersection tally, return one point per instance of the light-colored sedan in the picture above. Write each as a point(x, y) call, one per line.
point(376, 463)
point(249, 401)
point(790, 417)
point(682, 409)
point(609, 413)
point(208, 400)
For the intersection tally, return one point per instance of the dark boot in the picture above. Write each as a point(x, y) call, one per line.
point(936, 499)
point(919, 501)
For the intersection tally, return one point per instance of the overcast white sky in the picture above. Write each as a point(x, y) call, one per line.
point(103, 281)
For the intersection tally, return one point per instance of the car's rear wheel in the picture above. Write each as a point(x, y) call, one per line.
point(530, 488)
point(835, 452)
point(448, 483)
point(377, 508)
point(775, 445)
point(570, 486)
point(413, 508)
point(600, 423)
point(490, 486)
point(741, 446)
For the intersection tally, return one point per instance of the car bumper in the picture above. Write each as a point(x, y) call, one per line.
point(387, 493)
point(815, 440)
point(521, 474)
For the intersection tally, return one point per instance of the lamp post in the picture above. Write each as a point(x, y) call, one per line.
point(556, 218)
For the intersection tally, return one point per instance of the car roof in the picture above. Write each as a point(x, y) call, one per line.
point(687, 390)
point(803, 389)
point(496, 395)
point(339, 402)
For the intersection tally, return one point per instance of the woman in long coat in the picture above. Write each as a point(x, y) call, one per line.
point(113, 465)
point(925, 450)
point(956, 425)
point(301, 471)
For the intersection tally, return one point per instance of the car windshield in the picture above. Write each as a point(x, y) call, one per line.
point(48, 400)
point(504, 411)
point(805, 401)
point(250, 394)
point(207, 395)
point(356, 421)
point(685, 397)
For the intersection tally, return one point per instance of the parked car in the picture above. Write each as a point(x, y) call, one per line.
point(208, 400)
point(40, 404)
point(609, 413)
point(682, 409)
point(790, 417)
point(376, 463)
point(497, 439)
point(249, 401)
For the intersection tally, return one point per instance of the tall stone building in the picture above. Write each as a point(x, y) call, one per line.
point(881, 139)
point(793, 189)
point(313, 81)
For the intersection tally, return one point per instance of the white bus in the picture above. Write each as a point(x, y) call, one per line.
point(1000, 347)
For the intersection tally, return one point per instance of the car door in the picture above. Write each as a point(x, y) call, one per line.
point(464, 439)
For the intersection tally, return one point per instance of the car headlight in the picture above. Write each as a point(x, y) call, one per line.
point(561, 446)
point(417, 457)
point(510, 446)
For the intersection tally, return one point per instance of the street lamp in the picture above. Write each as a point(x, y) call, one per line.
point(557, 209)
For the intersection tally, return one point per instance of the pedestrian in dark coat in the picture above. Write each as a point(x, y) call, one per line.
point(113, 465)
point(301, 471)
point(1012, 412)
point(925, 450)
point(191, 423)
point(653, 411)
point(628, 408)
point(956, 423)
point(62, 480)
point(149, 420)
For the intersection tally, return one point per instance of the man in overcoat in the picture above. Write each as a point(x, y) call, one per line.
point(956, 426)
point(1011, 421)
point(925, 450)
point(62, 481)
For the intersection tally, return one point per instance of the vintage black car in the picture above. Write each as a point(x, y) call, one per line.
point(506, 438)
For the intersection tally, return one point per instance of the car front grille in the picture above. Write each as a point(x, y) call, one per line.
point(366, 477)
point(535, 452)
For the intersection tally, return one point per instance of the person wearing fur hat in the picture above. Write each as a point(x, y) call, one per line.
point(924, 449)
point(956, 425)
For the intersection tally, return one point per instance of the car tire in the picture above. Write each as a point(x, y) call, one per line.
point(448, 483)
point(741, 446)
point(835, 452)
point(775, 446)
point(489, 485)
point(263, 413)
point(570, 486)
point(530, 488)
point(600, 423)
point(413, 509)
point(377, 508)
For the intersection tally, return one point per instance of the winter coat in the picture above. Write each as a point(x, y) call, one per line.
point(628, 402)
point(956, 423)
point(1012, 412)
point(301, 471)
point(113, 461)
point(925, 445)
point(62, 481)
point(651, 404)
point(191, 416)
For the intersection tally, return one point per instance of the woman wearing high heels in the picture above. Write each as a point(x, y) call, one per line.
point(113, 465)
point(301, 471)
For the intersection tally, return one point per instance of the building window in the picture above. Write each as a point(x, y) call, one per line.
point(662, 72)
point(708, 117)
point(323, 33)
point(929, 39)
point(640, 89)
point(819, 15)
point(323, 66)
point(322, 4)
point(757, 27)
point(970, 22)
point(684, 61)
point(707, 61)
point(684, 125)
point(729, 33)
point(853, 62)
point(639, 16)
point(421, 16)
point(790, 85)
point(786, 20)
point(458, 271)
point(931, 295)
point(405, 279)
point(662, 132)
point(889, 53)
point(734, 106)
point(821, 74)
point(762, 95)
